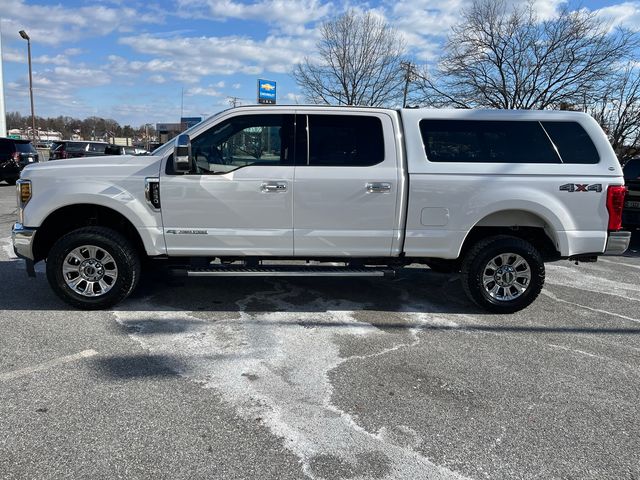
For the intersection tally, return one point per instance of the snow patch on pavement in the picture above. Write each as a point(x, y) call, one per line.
point(273, 367)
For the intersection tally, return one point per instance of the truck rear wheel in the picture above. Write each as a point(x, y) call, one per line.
point(93, 268)
point(503, 274)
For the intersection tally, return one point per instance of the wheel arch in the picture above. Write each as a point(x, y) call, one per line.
point(528, 225)
point(68, 218)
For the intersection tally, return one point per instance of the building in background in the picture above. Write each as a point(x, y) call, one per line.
point(166, 131)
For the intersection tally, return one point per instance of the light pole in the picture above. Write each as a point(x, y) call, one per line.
point(3, 116)
point(24, 35)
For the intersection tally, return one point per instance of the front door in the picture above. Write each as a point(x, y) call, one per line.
point(238, 198)
point(347, 189)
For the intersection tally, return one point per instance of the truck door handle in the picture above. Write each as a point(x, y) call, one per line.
point(378, 187)
point(268, 187)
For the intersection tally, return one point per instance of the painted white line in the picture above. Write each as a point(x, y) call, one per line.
point(46, 365)
point(619, 263)
point(580, 352)
point(598, 310)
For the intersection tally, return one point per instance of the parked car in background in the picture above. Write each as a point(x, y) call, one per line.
point(55, 144)
point(81, 148)
point(14, 156)
point(631, 213)
point(120, 150)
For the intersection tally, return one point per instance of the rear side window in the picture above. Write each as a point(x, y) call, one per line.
point(97, 147)
point(345, 141)
point(6, 147)
point(486, 141)
point(572, 142)
point(75, 147)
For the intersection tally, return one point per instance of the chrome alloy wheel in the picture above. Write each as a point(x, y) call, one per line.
point(89, 271)
point(506, 277)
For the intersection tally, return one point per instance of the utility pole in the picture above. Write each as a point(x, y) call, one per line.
point(409, 74)
point(3, 113)
point(234, 101)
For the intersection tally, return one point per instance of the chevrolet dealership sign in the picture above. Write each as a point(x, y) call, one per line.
point(267, 92)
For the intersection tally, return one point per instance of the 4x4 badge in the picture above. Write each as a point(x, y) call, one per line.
point(581, 187)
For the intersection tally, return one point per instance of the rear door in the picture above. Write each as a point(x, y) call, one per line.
point(346, 197)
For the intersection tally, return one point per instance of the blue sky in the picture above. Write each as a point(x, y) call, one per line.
point(130, 60)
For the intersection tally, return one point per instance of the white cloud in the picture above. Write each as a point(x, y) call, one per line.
point(55, 60)
point(209, 91)
point(55, 24)
point(60, 83)
point(298, 12)
point(190, 59)
point(626, 14)
point(157, 79)
point(9, 55)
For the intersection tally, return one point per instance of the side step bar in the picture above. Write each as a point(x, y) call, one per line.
point(283, 271)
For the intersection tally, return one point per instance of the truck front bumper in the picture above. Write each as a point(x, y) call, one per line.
point(22, 238)
point(617, 243)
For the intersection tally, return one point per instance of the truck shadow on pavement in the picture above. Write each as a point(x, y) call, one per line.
point(385, 304)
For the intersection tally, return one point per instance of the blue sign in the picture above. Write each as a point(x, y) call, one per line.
point(266, 91)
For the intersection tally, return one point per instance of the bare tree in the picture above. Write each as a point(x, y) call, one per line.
point(618, 112)
point(502, 56)
point(358, 63)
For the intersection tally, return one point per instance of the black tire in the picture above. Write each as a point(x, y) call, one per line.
point(440, 265)
point(477, 262)
point(126, 260)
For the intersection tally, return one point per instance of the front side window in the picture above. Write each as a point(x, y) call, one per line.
point(345, 141)
point(486, 141)
point(241, 141)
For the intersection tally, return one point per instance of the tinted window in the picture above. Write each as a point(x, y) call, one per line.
point(25, 148)
point(345, 141)
point(632, 170)
point(75, 147)
point(97, 147)
point(245, 140)
point(486, 141)
point(573, 143)
point(6, 147)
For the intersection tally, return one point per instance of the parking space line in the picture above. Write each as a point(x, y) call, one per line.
point(44, 366)
point(630, 265)
point(597, 310)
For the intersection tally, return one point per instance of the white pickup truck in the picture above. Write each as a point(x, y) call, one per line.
point(318, 191)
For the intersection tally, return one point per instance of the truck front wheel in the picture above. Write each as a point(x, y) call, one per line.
point(93, 268)
point(503, 274)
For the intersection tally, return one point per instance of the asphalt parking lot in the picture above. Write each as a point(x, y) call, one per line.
point(321, 378)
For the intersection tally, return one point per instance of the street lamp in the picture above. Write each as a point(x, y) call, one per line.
point(24, 35)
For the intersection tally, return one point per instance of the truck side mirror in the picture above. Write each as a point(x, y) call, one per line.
point(182, 154)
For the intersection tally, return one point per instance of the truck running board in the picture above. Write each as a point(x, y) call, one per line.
point(284, 271)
